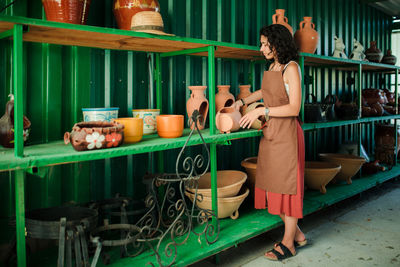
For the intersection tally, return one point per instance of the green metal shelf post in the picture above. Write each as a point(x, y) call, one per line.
point(396, 103)
point(303, 93)
point(359, 85)
point(18, 83)
point(158, 78)
point(20, 216)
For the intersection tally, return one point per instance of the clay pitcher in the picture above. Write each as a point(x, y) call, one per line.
point(198, 101)
point(279, 18)
point(124, 10)
point(306, 37)
point(244, 92)
point(227, 120)
point(223, 98)
point(373, 53)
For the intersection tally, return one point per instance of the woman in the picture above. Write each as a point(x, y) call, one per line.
point(280, 164)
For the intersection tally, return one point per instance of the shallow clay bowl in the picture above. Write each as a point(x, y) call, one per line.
point(350, 164)
point(318, 174)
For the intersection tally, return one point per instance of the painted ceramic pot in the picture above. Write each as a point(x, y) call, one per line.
point(223, 98)
point(250, 164)
point(318, 174)
point(67, 11)
point(124, 10)
point(257, 124)
point(306, 37)
point(373, 53)
point(279, 18)
point(389, 58)
point(227, 120)
point(95, 135)
point(198, 101)
point(149, 119)
point(170, 126)
point(243, 93)
point(133, 129)
point(7, 125)
point(99, 114)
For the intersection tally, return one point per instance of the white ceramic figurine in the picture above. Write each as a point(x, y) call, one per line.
point(339, 48)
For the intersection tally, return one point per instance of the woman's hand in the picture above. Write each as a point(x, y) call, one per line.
point(236, 105)
point(247, 120)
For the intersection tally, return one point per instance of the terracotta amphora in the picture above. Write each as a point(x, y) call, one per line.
point(223, 98)
point(227, 120)
point(67, 11)
point(257, 124)
point(373, 53)
point(279, 18)
point(198, 101)
point(306, 37)
point(244, 92)
point(389, 58)
point(124, 10)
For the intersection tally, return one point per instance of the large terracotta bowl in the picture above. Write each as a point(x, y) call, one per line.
point(250, 164)
point(229, 183)
point(169, 126)
point(350, 164)
point(227, 206)
point(318, 174)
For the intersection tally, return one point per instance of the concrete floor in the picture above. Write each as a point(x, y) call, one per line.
point(361, 231)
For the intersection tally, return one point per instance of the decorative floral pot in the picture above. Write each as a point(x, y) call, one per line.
point(133, 129)
point(124, 10)
point(389, 58)
point(7, 125)
point(223, 98)
point(373, 53)
point(306, 37)
point(198, 101)
point(227, 120)
point(279, 18)
point(149, 119)
point(169, 126)
point(95, 135)
point(318, 174)
point(243, 93)
point(99, 114)
point(257, 124)
point(67, 11)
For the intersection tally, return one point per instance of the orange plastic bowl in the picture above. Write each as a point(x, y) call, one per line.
point(169, 126)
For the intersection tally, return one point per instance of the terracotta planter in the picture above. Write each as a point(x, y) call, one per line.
point(124, 10)
point(227, 207)
point(257, 124)
point(95, 135)
point(373, 53)
point(279, 18)
point(229, 183)
point(169, 126)
point(244, 92)
point(306, 37)
point(227, 120)
point(350, 165)
point(318, 174)
point(133, 129)
point(250, 164)
point(389, 58)
point(198, 101)
point(223, 98)
point(149, 119)
point(7, 125)
point(67, 11)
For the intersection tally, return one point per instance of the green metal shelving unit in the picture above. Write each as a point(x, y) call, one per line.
point(30, 158)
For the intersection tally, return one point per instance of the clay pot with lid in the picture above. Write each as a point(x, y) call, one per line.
point(227, 120)
point(198, 101)
point(243, 93)
point(124, 10)
point(389, 58)
point(306, 37)
point(373, 53)
point(279, 18)
point(223, 98)
point(67, 11)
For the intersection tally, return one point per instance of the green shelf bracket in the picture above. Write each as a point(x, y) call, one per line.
point(6, 34)
point(185, 52)
point(40, 172)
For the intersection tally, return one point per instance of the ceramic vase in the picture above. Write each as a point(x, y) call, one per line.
point(149, 119)
point(243, 93)
point(227, 120)
point(67, 11)
point(373, 53)
point(279, 18)
point(257, 124)
point(124, 10)
point(7, 125)
point(223, 98)
point(306, 37)
point(198, 101)
point(389, 58)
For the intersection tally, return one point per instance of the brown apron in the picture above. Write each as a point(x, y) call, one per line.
point(277, 155)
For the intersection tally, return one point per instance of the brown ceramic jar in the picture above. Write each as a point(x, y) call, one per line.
point(67, 11)
point(373, 53)
point(124, 10)
point(389, 58)
point(223, 98)
point(244, 92)
point(198, 101)
point(306, 37)
point(279, 18)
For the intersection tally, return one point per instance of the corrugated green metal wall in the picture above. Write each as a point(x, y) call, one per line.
point(59, 81)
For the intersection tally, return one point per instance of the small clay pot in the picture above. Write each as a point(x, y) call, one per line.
point(133, 129)
point(227, 120)
point(170, 126)
point(124, 10)
point(223, 98)
point(279, 18)
point(257, 124)
point(389, 58)
point(149, 119)
point(244, 92)
point(373, 53)
point(67, 11)
point(198, 101)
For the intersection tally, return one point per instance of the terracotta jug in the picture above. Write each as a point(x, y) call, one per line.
point(198, 101)
point(244, 92)
point(67, 11)
point(7, 125)
point(124, 10)
point(373, 53)
point(306, 37)
point(223, 98)
point(279, 18)
point(389, 58)
point(227, 120)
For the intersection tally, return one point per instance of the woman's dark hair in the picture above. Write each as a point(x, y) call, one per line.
point(281, 40)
